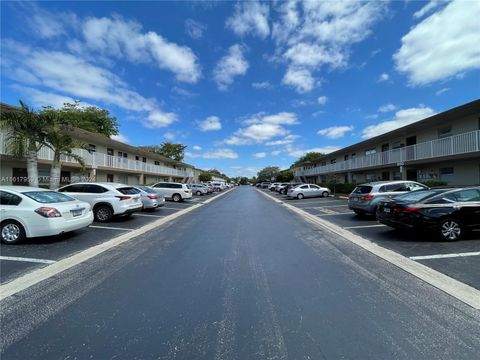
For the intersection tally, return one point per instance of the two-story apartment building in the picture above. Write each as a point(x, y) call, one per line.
point(443, 147)
point(105, 160)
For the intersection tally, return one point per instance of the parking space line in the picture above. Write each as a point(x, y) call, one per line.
point(14, 258)
point(444, 256)
point(348, 213)
point(109, 227)
point(169, 208)
point(364, 226)
point(149, 215)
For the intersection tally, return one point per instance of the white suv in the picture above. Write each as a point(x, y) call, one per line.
point(173, 191)
point(106, 199)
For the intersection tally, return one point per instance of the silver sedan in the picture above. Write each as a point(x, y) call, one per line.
point(308, 190)
point(150, 198)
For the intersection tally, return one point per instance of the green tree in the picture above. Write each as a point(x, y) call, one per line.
point(285, 176)
point(269, 173)
point(171, 150)
point(89, 118)
point(205, 176)
point(243, 181)
point(309, 156)
point(25, 135)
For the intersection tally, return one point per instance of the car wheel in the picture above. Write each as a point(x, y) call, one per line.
point(198, 193)
point(300, 196)
point(325, 194)
point(176, 197)
point(12, 232)
point(103, 213)
point(451, 230)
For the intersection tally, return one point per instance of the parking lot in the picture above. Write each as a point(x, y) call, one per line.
point(459, 260)
point(34, 253)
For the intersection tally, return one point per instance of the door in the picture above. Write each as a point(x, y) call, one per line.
point(469, 207)
point(20, 176)
point(315, 191)
point(410, 154)
point(412, 174)
point(385, 148)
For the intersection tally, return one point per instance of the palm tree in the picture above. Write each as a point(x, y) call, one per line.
point(26, 132)
point(58, 139)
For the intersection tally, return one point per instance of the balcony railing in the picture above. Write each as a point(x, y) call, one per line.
point(452, 145)
point(95, 160)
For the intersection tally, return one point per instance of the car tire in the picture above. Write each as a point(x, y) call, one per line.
point(103, 213)
point(198, 193)
point(451, 230)
point(325, 194)
point(176, 197)
point(359, 212)
point(300, 196)
point(12, 232)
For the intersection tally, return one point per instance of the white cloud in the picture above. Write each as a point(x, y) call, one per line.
point(197, 148)
point(402, 118)
point(442, 91)
point(383, 77)
point(120, 137)
point(244, 171)
point(262, 85)
point(324, 150)
point(235, 140)
point(194, 29)
point(443, 45)
point(262, 132)
point(322, 100)
point(221, 154)
point(160, 119)
point(287, 140)
point(48, 25)
point(335, 132)
point(125, 39)
point(231, 65)
point(259, 155)
point(275, 153)
point(250, 17)
point(429, 7)
point(43, 98)
point(315, 34)
point(300, 79)
point(211, 123)
point(169, 136)
point(387, 108)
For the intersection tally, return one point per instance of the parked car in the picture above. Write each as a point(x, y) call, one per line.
point(273, 186)
point(150, 199)
point(198, 189)
point(308, 190)
point(451, 213)
point(284, 189)
point(173, 191)
point(265, 185)
point(28, 212)
point(106, 199)
point(280, 186)
point(217, 185)
point(364, 198)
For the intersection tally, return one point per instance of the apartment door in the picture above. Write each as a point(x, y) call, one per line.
point(410, 141)
point(19, 176)
point(386, 175)
point(385, 148)
point(412, 174)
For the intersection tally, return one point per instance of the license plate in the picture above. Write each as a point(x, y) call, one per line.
point(387, 210)
point(76, 212)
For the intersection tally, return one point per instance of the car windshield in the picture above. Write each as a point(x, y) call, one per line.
point(147, 189)
point(419, 195)
point(129, 190)
point(364, 189)
point(48, 197)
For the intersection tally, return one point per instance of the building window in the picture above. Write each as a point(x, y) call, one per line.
point(397, 144)
point(91, 148)
point(333, 161)
point(354, 155)
point(157, 162)
point(371, 151)
point(144, 159)
point(446, 174)
point(137, 158)
point(109, 151)
point(445, 132)
point(109, 177)
point(122, 154)
point(345, 157)
point(324, 163)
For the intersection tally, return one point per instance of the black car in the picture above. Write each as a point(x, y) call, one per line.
point(449, 212)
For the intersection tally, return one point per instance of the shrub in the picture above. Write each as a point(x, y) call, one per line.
point(435, 183)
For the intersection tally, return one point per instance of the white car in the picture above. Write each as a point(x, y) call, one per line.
point(106, 199)
point(173, 191)
point(308, 190)
point(28, 212)
point(198, 189)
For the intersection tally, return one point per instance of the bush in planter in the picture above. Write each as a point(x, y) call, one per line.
point(435, 183)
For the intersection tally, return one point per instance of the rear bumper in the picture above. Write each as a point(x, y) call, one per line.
point(368, 208)
point(56, 226)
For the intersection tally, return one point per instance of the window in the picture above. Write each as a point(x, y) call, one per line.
point(94, 189)
point(444, 132)
point(443, 199)
point(156, 162)
point(414, 186)
point(122, 154)
point(333, 161)
point(109, 151)
point(109, 177)
point(446, 174)
point(304, 187)
point(7, 198)
point(371, 151)
point(137, 158)
point(129, 191)
point(362, 190)
point(48, 197)
point(314, 187)
point(468, 195)
point(91, 148)
point(75, 188)
point(345, 158)
point(324, 163)
point(144, 159)
point(354, 155)
point(161, 185)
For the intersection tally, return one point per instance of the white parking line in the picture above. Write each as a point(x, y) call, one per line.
point(14, 258)
point(443, 256)
point(364, 226)
point(110, 228)
point(169, 208)
point(322, 207)
point(347, 213)
point(300, 202)
point(149, 215)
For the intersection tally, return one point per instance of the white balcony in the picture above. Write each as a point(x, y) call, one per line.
point(99, 160)
point(454, 145)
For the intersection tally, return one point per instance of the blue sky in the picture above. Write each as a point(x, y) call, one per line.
point(250, 84)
